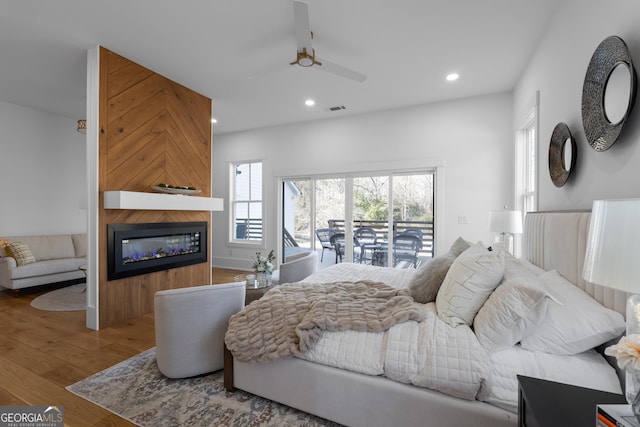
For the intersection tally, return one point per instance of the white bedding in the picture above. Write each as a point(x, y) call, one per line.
point(588, 369)
point(448, 359)
point(428, 354)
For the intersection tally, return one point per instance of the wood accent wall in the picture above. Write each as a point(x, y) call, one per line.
point(152, 130)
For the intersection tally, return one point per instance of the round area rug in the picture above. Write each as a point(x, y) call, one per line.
point(70, 298)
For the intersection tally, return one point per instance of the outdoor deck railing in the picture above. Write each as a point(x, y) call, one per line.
point(249, 228)
point(382, 229)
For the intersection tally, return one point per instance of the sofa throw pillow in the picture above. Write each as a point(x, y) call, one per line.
point(427, 279)
point(4, 244)
point(20, 252)
point(512, 311)
point(574, 323)
point(468, 283)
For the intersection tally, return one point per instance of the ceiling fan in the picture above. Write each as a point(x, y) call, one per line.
point(306, 55)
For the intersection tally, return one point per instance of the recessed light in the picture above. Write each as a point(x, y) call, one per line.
point(452, 77)
point(214, 120)
point(309, 102)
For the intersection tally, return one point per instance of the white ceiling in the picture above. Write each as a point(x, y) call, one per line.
point(237, 52)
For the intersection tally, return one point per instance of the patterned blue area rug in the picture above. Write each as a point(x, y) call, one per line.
point(136, 390)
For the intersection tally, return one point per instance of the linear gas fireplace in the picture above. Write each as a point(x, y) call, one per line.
point(135, 249)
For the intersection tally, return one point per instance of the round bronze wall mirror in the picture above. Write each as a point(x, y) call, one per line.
point(608, 93)
point(562, 154)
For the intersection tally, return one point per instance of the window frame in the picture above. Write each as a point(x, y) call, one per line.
point(233, 202)
point(527, 160)
point(437, 171)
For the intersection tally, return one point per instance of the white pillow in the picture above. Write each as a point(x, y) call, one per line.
point(574, 323)
point(517, 268)
point(531, 266)
point(511, 313)
point(468, 283)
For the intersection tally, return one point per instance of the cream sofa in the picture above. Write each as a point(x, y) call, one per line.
point(58, 259)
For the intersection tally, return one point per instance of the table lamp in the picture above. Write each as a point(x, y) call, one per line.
point(506, 224)
point(612, 258)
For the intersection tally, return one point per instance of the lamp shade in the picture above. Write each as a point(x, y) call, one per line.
point(612, 257)
point(505, 221)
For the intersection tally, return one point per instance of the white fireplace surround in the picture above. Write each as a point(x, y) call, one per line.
point(158, 201)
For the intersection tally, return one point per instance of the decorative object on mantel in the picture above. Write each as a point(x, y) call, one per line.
point(611, 260)
point(170, 189)
point(82, 126)
point(264, 269)
point(562, 154)
point(610, 76)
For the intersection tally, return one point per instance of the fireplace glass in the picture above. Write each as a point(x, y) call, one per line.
point(135, 249)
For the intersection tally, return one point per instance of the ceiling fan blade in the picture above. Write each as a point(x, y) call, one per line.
point(339, 70)
point(303, 31)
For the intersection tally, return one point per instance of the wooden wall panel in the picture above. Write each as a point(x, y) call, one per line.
point(152, 130)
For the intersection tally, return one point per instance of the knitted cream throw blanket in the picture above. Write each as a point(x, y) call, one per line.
point(290, 318)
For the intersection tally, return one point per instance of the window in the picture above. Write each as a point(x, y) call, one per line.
point(528, 165)
point(526, 172)
point(246, 202)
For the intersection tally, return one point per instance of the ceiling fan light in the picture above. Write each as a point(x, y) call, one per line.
point(452, 77)
point(309, 102)
point(305, 61)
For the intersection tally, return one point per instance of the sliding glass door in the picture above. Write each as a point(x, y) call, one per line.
point(368, 216)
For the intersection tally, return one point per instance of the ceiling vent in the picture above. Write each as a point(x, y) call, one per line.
point(336, 108)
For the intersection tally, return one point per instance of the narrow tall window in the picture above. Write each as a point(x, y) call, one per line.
point(246, 205)
point(526, 171)
point(528, 161)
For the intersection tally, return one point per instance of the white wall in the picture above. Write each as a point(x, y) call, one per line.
point(42, 168)
point(558, 69)
point(471, 137)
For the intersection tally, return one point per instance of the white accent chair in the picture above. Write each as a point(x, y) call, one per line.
point(295, 268)
point(190, 327)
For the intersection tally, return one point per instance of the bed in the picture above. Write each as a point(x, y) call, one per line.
point(350, 394)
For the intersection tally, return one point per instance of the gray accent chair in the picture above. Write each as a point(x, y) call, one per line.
point(190, 327)
point(295, 268)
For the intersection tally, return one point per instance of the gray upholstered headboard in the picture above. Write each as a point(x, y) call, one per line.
point(558, 240)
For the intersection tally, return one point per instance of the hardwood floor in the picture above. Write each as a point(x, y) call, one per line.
point(42, 352)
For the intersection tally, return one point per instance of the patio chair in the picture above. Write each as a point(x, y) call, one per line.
point(406, 248)
point(324, 235)
point(337, 240)
point(368, 239)
point(413, 231)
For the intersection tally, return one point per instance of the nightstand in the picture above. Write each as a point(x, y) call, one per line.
point(549, 404)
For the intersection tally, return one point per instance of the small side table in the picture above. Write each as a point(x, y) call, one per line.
point(255, 294)
point(551, 404)
point(252, 293)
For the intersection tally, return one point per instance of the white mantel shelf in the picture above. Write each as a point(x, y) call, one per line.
point(157, 201)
